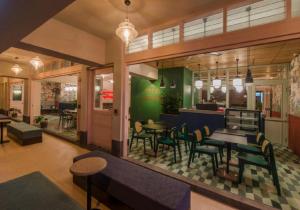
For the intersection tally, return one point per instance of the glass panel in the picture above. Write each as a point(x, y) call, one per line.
point(237, 100)
point(197, 29)
point(165, 37)
point(269, 100)
point(103, 97)
point(259, 13)
point(139, 44)
point(295, 8)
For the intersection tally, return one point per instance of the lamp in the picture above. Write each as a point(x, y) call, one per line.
point(217, 83)
point(249, 78)
point(126, 30)
point(16, 68)
point(198, 82)
point(36, 62)
point(239, 88)
point(224, 89)
point(237, 81)
point(212, 89)
point(173, 84)
point(162, 82)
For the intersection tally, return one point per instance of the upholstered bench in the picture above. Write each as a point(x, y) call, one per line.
point(24, 133)
point(136, 187)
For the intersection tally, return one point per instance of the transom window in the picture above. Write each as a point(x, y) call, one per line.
point(165, 37)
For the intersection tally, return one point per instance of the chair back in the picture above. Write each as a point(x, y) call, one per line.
point(207, 131)
point(265, 148)
point(172, 133)
point(260, 138)
point(150, 121)
point(184, 130)
point(198, 137)
point(138, 127)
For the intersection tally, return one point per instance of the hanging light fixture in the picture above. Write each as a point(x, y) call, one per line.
point(217, 83)
point(237, 81)
point(239, 88)
point(249, 78)
point(162, 82)
point(212, 89)
point(126, 30)
point(36, 62)
point(16, 68)
point(199, 82)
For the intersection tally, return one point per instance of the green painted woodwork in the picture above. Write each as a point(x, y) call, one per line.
point(147, 96)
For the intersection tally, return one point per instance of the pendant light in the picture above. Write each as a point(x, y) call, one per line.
point(162, 82)
point(199, 82)
point(212, 89)
point(223, 89)
point(249, 78)
point(237, 81)
point(217, 83)
point(126, 30)
point(36, 62)
point(16, 68)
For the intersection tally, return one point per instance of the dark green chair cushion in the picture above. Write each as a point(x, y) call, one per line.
point(214, 142)
point(166, 141)
point(249, 148)
point(253, 159)
point(144, 135)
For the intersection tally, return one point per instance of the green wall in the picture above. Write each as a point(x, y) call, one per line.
point(146, 96)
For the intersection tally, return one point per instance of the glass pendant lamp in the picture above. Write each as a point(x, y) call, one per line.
point(198, 82)
point(217, 83)
point(237, 81)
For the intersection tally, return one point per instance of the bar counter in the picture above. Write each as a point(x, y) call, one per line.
point(195, 119)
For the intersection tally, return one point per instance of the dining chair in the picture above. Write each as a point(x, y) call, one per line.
point(169, 140)
point(265, 160)
point(199, 148)
point(138, 133)
point(212, 142)
point(252, 148)
point(183, 135)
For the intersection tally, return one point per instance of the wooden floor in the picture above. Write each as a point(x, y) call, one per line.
point(53, 158)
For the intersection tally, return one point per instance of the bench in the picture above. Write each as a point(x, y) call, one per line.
point(23, 133)
point(134, 186)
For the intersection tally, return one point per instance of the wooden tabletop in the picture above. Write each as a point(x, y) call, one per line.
point(235, 139)
point(88, 166)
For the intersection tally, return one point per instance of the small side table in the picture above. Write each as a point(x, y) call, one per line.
point(88, 167)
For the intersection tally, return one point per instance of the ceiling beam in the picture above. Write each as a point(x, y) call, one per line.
point(18, 18)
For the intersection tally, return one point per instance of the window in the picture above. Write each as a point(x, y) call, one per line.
point(103, 95)
point(202, 27)
point(139, 44)
point(295, 8)
point(165, 37)
point(259, 13)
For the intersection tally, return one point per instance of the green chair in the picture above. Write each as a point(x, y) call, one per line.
point(169, 140)
point(199, 148)
point(183, 135)
point(212, 142)
point(265, 160)
point(252, 148)
point(138, 133)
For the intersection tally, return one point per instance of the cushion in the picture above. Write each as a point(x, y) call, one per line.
point(206, 149)
point(248, 148)
point(254, 159)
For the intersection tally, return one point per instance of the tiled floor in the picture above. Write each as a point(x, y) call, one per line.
point(257, 183)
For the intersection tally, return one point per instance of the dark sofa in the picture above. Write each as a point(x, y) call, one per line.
point(136, 187)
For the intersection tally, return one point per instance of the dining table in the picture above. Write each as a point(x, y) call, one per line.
point(4, 119)
point(230, 137)
point(155, 128)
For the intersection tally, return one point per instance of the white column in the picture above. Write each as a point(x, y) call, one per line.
point(251, 97)
point(193, 89)
point(208, 85)
point(227, 88)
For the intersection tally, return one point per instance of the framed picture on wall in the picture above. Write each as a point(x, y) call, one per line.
point(17, 92)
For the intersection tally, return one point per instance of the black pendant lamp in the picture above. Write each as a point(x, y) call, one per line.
point(162, 83)
point(249, 77)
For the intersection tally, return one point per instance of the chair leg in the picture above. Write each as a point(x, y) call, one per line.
point(220, 153)
point(213, 164)
point(174, 148)
point(151, 143)
point(185, 145)
point(131, 143)
point(241, 171)
point(193, 158)
point(144, 140)
point(276, 181)
point(216, 158)
point(163, 148)
point(179, 150)
point(190, 158)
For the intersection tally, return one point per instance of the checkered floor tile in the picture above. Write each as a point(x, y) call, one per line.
point(257, 184)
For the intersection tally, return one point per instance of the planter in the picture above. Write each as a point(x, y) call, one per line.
point(44, 124)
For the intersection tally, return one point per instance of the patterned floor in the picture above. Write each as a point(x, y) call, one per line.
point(256, 185)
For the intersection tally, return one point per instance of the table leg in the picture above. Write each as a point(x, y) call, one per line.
point(228, 156)
point(155, 144)
point(1, 133)
point(88, 193)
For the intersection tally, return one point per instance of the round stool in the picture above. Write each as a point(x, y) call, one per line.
point(88, 167)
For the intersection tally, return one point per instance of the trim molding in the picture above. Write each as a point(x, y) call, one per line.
point(44, 51)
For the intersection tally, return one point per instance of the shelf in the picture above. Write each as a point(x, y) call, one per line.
point(242, 125)
point(242, 118)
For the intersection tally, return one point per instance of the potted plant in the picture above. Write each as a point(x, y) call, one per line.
point(171, 104)
point(14, 112)
point(42, 121)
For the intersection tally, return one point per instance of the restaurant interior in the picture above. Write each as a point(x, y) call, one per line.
point(244, 91)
